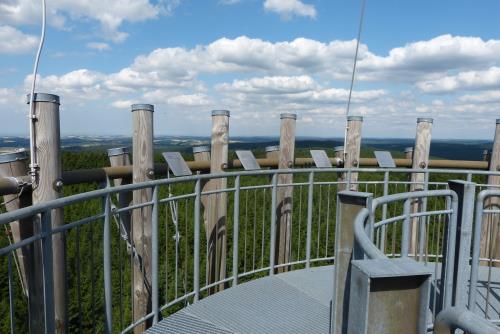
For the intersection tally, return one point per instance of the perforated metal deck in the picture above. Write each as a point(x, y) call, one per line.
point(293, 302)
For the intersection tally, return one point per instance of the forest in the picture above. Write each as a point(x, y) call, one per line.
point(84, 245)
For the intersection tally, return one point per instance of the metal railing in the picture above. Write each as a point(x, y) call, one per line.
point(101, 254)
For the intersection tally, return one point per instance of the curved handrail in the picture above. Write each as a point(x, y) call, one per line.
point(456, 317)
point(362, 239)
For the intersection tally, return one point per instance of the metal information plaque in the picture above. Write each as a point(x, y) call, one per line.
point(384, 159)
point(248, 160)
point(177, 164)
point(320, 158)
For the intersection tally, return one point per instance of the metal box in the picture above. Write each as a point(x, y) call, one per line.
point(389, 296)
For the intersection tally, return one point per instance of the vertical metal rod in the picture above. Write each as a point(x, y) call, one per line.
point(273, 224)
point(384, 211)
point(236, 228)
point(476, 248)
point(154, 256)
point(309, 219)
point(107, 265)
point(406, 228)
point(196, 257)
point(423, 221)
point(450, 253)
point(11, 293)
point(48, 275)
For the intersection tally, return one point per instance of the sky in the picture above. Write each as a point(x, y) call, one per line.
point(256, 58)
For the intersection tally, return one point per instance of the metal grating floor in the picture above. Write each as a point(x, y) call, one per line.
point(293, 302)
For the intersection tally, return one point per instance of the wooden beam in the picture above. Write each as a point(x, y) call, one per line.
point(47, 187)
point(143, 170)
point(284, 196)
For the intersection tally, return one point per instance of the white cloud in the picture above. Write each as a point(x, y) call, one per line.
point(485, 97)
point(289, 8)
point(13, 41)
point(110, 14)
point(438, 55)
point(98, 46)
point(486, 79)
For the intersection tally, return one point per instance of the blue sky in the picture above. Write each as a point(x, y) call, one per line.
point(257, 58)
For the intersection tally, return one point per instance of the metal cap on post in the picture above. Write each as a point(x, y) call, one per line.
point(118, 151)
point(147, 107)
point(43, 97)
point(425, 120)
point(408, 151)
point(272, 152)
point(201, 149)
point(221, 113)
point(288, 115)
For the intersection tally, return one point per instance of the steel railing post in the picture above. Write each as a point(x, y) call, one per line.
point(236, 228)
point(476, 249)
point(310, 196)
point(154, 256)
point(272, 249)
point(48, 274)
point(107, 264)
point(406, 228)
point(196, 256)
point(466, 192)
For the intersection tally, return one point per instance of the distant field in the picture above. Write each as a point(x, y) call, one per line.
point(447, 149)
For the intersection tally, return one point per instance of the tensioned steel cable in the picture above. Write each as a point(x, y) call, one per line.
point(360, 29)
point(32, 117)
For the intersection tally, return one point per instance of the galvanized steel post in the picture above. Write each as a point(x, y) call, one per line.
point(236, 229)
point(466, 192)
point(310, 195)
point(108, 324)
point(349, 205)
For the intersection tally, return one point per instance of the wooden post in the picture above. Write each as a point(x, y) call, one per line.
point(338, 152)
point(47, 187)
point(490, 232)
point(353, 149)
point(217, 203)
point(272, 152)
point(408, 153)
point(142, 170)
point(202, 153)
point(420, 161)
point(13, 164)
point(284, 208)
point(120, 157)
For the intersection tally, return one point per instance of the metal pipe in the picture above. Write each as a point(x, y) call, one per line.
point(154, 257)
point(456, 317)
point(107, 265)
point(310, 195)
point(196, 255)
point(236, 229)
point(272, 249)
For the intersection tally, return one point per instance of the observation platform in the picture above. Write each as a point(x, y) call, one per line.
point(293, 302)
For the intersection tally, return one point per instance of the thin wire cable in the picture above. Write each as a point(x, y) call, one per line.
point(32, 117)
point(360, 29)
